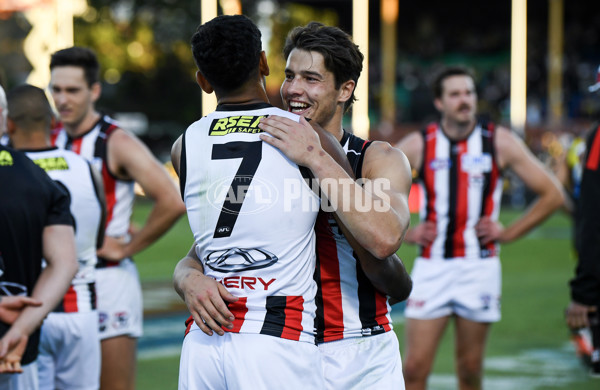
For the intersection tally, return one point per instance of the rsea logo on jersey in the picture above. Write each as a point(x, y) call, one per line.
point(236, 124)
point(52, 163)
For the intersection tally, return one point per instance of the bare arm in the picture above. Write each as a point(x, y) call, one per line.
point(59, 252)
point(358, 208)
point(205, 298)
point(131, 159)
point(513, 154)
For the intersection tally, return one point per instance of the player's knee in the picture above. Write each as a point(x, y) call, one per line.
point(414, 371)
point(470, 375)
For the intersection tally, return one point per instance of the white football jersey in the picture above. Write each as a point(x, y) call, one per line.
point(252, 215)
point(73, 172)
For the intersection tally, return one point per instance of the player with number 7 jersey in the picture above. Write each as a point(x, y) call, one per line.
point(252, 215)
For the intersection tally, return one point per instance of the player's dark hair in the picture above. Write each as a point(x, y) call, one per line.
point(227, 51)
point(446, 72)
point(81, 57)
point(342, 56)
point(29, 108)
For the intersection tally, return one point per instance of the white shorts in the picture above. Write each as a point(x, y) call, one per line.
point(470, 289)
point(27, 380)
point(242, 361)
point(361, 363)
point(69, 355)
point(119, 295)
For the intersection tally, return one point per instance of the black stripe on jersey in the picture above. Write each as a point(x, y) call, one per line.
point(367, 309)
point(101, 147)
point(319, 319)
point(101, 198)
point(182, 167)
point(92, 290)
point(275, 317)
point(487, 147)
point(453, 190)
point(421, 173)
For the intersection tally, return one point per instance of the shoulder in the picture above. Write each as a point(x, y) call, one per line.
point(382, 157)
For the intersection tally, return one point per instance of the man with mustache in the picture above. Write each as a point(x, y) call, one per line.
point(457, 275)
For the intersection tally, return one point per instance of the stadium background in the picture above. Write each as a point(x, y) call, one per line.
point(147, 76)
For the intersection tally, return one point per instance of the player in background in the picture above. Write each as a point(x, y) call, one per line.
point(69, 345)
point(259, 259)
point(35, 222)
point(122, 160)
point(457, 274)
point(583, 311)
point(357, 266)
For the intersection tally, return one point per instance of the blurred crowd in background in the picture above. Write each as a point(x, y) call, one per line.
point(148, 70)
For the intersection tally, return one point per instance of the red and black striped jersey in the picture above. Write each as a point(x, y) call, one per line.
point(348, 305)
point(92, 146)
point(462, 183)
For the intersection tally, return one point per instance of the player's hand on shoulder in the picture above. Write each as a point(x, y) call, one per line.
point(297, 140)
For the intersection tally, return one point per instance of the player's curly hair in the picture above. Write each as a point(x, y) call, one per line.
point(342, 56)
point(227, 50)
point(448, 71)
point(78, 56)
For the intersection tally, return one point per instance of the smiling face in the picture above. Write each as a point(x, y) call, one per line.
point(73, 97)
point(458, 102)
point(309, 90)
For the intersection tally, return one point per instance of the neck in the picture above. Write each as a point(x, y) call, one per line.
point(79, 128)
point(249, 93)
point(334, 124)
point(31, 141)
point(455, 130)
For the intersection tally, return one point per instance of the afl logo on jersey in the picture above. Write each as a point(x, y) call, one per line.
point(239, 259)
point(242, 195)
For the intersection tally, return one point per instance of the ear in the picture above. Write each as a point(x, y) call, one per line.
point(263, 66)
point(11, 127)
point(437, 102)
point(96, 89)
point(346, 90)
point(203, 82)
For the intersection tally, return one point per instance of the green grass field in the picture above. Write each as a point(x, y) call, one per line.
point(528, 349)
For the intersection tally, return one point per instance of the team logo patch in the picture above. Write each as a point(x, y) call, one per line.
point(235, 124)
point(52, 163)
point(121, 319)
point(102, 320)
point(476, 163)
point(440, 163)
point(240, 259)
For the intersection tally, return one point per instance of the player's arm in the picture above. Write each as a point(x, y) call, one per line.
point(99, 190)
point(205, 298)
point(130, 159)
point(59, 251)
point(412, 145)
point(585, 287)
point(377, 225)
point(513, 154)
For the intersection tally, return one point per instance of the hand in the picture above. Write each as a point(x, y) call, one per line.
point(205, 299)
point(12, 348)
point(113, 249)
point(488, 231)
point(577, 315)
point(297, 140)
point(423, 234)
point(12, 306)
